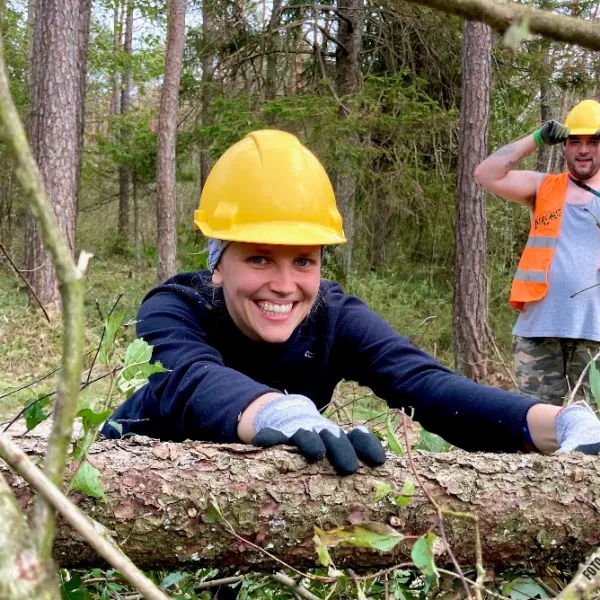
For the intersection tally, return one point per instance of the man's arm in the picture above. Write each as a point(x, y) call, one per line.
point(496, 173)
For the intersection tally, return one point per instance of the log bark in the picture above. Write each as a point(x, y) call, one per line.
point(531, 507)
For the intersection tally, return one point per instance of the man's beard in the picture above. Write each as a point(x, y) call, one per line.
point(585, 170)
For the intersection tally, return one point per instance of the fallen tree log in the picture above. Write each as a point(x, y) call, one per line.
point(531, 508)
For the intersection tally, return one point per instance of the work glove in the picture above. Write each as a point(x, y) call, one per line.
point(550, 133)
point(295, 421)
point(577, 429)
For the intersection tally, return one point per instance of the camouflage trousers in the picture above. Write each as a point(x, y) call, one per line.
point(549, 368)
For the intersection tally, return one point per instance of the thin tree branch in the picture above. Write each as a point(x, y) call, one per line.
point(18, 272)
point(501, 15)
point(25, 467)
point(70, 278)
point(302, 592)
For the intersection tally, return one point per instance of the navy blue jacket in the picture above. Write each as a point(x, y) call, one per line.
point(216, 371)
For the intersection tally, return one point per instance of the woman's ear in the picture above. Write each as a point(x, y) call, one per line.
point(217, 278)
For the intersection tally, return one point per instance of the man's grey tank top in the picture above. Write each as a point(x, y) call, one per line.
point(573, 268)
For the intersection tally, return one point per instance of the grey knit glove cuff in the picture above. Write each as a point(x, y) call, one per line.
point(578, 429)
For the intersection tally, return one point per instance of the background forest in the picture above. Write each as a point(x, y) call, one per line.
point(374, 87)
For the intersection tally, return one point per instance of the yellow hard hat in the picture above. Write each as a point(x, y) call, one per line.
point(584, 118)
point(268, 188)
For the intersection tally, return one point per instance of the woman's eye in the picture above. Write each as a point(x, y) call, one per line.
point(303, 262)
point(257, 260)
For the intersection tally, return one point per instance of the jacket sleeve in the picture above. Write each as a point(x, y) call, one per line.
point(466, 414)
point(199, 398)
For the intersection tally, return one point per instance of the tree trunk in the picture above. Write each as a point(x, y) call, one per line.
point(116, 99)
point(273, 47)
point(83, 39)
point(471, 338)
point(544, 153)
point(208, 70)
point(167, 129)
point(54, 134)
point(124, 172)
point(530, 507)
point(348, 79)
point(136, 221)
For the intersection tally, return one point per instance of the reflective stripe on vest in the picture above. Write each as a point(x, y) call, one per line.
point(541, 241)
point(533, 276)
point(531, 279)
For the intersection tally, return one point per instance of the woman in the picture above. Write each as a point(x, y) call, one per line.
point(256, 345)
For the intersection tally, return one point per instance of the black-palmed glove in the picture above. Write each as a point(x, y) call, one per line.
point(550, 133)
point(295, 421)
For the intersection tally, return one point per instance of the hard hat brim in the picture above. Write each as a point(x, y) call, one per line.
point(583, 131)
point(280, 233)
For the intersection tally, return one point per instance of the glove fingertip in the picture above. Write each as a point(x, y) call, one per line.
point(268, 437)
point(590, 449)
point(368, 448)
point(340, 452)
point(310, 444)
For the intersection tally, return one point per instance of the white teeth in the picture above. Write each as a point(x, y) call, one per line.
point(275, 309)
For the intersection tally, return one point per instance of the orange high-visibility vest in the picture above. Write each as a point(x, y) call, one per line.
point(531, 279)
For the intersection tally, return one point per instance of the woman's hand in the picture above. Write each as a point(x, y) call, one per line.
point(295, 421)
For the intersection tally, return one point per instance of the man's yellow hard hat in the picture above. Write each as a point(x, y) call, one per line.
point(584, 118)
point(268, 188)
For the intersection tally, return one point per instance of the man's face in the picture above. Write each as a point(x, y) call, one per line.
point(582, 153)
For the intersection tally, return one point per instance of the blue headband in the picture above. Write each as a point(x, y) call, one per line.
point(215, 251)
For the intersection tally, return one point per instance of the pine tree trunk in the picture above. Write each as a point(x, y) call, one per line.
point(348, 76)
point(166, 200)
point(471, 336)
point(54, 132)
point(85, 17)
point(208, 68)
point(531, 508)
point(544, 153)
point(124, 171)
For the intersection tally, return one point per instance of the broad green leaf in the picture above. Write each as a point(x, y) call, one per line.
point(406, 496)
point(523, 588)
point(87, 481)
point(422, 555)
point(110, 331)
point(382, 489)
point(430, 442)
point(89, 418)
point(595, 383)
point(377, 536)
point(137, 364)
point(37, 413)
point(138, 352)
point(392, 440)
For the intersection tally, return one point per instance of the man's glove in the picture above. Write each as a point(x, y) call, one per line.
point(550, 133)
point(578, 429)
point(294, 420)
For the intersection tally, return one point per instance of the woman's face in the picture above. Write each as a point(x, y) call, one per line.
point(269, 289)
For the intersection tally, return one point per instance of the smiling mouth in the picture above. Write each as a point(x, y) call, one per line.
point(275, 310)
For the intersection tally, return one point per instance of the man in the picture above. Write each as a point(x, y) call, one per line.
point(558, 329)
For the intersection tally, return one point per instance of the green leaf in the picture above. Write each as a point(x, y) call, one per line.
point(377, 536)
point(117, 426)
point(87, 481)
point(138, 352)
point(406, 496)
point(173, 578)
point(595, 383)
point(213, 513)
point(322, 551)
point(516, 33)
point(36, 413)
point(89, 418)
point(111, 326)
point(523, 588)
point(430, 442)
point(382, 489)
point(422, 555)
point(137, 365)
point(392, 440)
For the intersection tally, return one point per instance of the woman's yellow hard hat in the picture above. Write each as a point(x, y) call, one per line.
point(268, 188)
